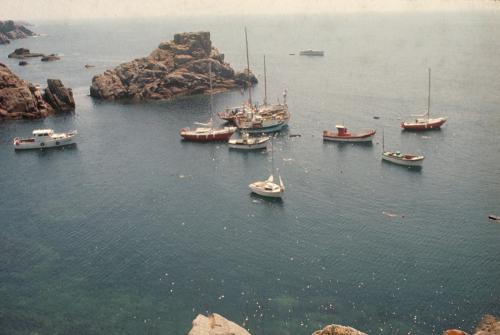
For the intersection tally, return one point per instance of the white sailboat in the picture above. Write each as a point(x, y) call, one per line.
point(399, 158)
point(269, 188)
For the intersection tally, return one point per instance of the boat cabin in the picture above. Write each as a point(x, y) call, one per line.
point(42, 132)
point(342, 131)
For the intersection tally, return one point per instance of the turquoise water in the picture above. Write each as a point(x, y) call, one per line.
point(136, 232)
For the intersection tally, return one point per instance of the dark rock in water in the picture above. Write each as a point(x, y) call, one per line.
point(178, 67)
point(20, 99)
point(10, 30)
point(50, 58)
point(88, 66)
point(24, 53)
point(58, 96)
point(23, 63)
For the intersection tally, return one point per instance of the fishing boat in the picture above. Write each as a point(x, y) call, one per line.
point(45, 138)
point(269, 188)
point(310, 52)
point(344, 135)
point(424, 122)
point(246, 142)
point(399, 158)
point(207, 133)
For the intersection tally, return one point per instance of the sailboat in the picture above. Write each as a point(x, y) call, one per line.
point(263, 118)
point(269, 188)
point(207, 133)
point(399, 158)
point(424, 122)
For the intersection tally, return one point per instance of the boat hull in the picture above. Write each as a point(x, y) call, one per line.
point(265, 129)
point(206, 137)
point(361, 137)
point(423, 125)
point(404, 162)
point(242, 146)
point(269, 194)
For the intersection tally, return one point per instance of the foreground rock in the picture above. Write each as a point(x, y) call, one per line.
point(22, 53)
point(215, 324)
point(175, 68)
point(9, 30)
point(489, 325)
point(338, 330)
point(20, 99)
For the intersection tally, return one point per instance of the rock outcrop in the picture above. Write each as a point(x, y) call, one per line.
point(22, 53)
point(178, 67)
point(9, 30)
point(215, 324)
point(20, 99)
point(50, 58)
point(338, 330)
point(489, 325)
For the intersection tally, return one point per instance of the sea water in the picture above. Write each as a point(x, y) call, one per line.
point(134, 231)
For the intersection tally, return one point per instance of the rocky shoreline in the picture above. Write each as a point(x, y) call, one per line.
point(215, 324)
point(178, 67)
point(20, 99)
point(9, 30)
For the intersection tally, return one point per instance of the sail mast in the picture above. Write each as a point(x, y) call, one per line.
point(248, 71)
point(265, 82)
point(211, 102)
point(429, 96)
point(272, 156)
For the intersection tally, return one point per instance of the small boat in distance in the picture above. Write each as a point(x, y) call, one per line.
point(399, 158)
point(269, 188)
point(310, 52)
point(45, 138)
point(246, 142)
point(343, 135)
point(424, 122)
point(207, 133)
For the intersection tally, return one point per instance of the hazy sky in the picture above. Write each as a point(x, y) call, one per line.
point(57, 9)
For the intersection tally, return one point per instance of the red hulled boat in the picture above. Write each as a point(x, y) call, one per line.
point(343, 135)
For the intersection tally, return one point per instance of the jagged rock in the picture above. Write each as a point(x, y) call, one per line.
point(24, 53)
point(215, 324)
point(489, 325)
point(9, 30)
point(177, 67)
point(338, 330)
point(58, 96)
point(20, 99)
point(50, 58)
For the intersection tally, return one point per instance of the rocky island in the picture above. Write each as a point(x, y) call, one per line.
point(9, 30)
point(175, 68)
point(21, 99)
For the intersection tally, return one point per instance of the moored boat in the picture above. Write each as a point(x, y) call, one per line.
point(45, 138)
point(424, 122)
point(344, 135)
point(230, 114)
point(207, 133)
point(310, 52)
point(269, 188)
point(246, 142)
point(397, 157)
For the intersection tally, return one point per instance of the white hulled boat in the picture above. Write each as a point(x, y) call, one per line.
point(45, 138)
point(399, 158)
point(247, 142)
point(269, 188)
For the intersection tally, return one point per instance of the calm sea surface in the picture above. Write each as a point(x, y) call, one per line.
point(135, 232)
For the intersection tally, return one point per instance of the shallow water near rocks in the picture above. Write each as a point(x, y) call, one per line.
point(133, 231)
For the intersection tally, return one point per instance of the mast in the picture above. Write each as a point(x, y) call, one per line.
point(429, 96)
point(211, 99)
point(272, 156)
point(248, 71)
point(265, 82)
point(383, 141)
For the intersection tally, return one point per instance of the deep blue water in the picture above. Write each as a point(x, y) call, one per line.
point(135, 232)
